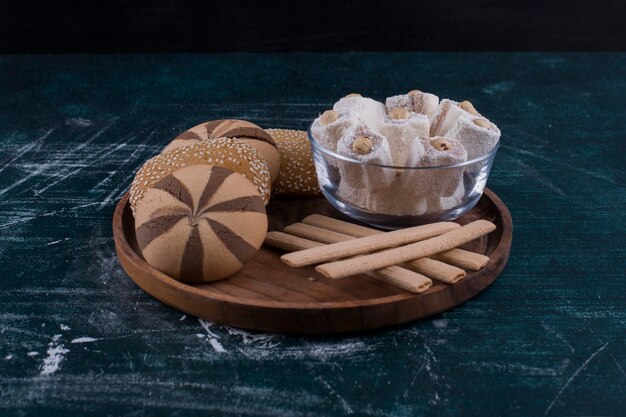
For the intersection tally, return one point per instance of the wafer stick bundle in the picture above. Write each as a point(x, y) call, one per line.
point(420, 249)
point(457, 257)
point(429, 267)
point(407, 258)
point(400, 277)
point(366, 244)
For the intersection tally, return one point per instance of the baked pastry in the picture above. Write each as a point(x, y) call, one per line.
point(222, 128)
point(297, 176)
point(200, 223)
point(229, 153)
point(243, 130)
point(270, 154)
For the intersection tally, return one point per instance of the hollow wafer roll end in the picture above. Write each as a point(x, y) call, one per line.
point(464, 259)
point(403, 278)
point(437, 270)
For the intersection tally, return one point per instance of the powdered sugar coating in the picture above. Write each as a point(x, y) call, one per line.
point(396, 201)
point(440, 182)
point(362, 175)
point(447, 114)
point(327, 135)
point(434, 157)
point(477, 140)
point(369, 111)
point(401, 133)
point(418, 102)
point(438, 203)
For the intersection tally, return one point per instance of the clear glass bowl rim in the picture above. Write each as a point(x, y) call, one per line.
point(328, 152)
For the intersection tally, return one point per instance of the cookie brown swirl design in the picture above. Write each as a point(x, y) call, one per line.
point(222, 128)
point(200, 223)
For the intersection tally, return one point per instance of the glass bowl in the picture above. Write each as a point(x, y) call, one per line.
point(392, 197)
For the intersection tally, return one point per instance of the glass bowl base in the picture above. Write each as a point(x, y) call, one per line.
point(392, 222)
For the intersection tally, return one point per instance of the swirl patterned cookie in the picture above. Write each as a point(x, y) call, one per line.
point(200, 223)
point(243, 130)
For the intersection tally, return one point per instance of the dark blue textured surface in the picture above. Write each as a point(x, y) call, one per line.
point(547, 338)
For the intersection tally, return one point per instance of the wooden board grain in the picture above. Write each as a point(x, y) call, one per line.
point(268, 295)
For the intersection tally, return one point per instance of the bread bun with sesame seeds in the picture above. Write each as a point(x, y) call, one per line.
point(297, 176)
point(228, 153)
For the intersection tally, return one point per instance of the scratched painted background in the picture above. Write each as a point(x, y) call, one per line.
point(77, 336)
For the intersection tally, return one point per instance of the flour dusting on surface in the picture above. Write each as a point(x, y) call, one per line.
point(56, 353)
point(79, 122)
point(269, 346)
point(84, 340)
point(440, 323)
point(217, 346)
point(266, 340)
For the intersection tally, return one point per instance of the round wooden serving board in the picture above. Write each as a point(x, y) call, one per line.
point(268, 295)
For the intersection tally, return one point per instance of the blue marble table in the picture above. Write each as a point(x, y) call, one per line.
point(77, 337)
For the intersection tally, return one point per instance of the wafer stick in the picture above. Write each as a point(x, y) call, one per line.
point(395, 275)
point(457, 257)
point(316, 233)
point(366, 244)
point(463, 258)
point(289, 242)
point(403, 278)
point(406, 253)
point(340, 226)
point(437, 270)
point(429, 267)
